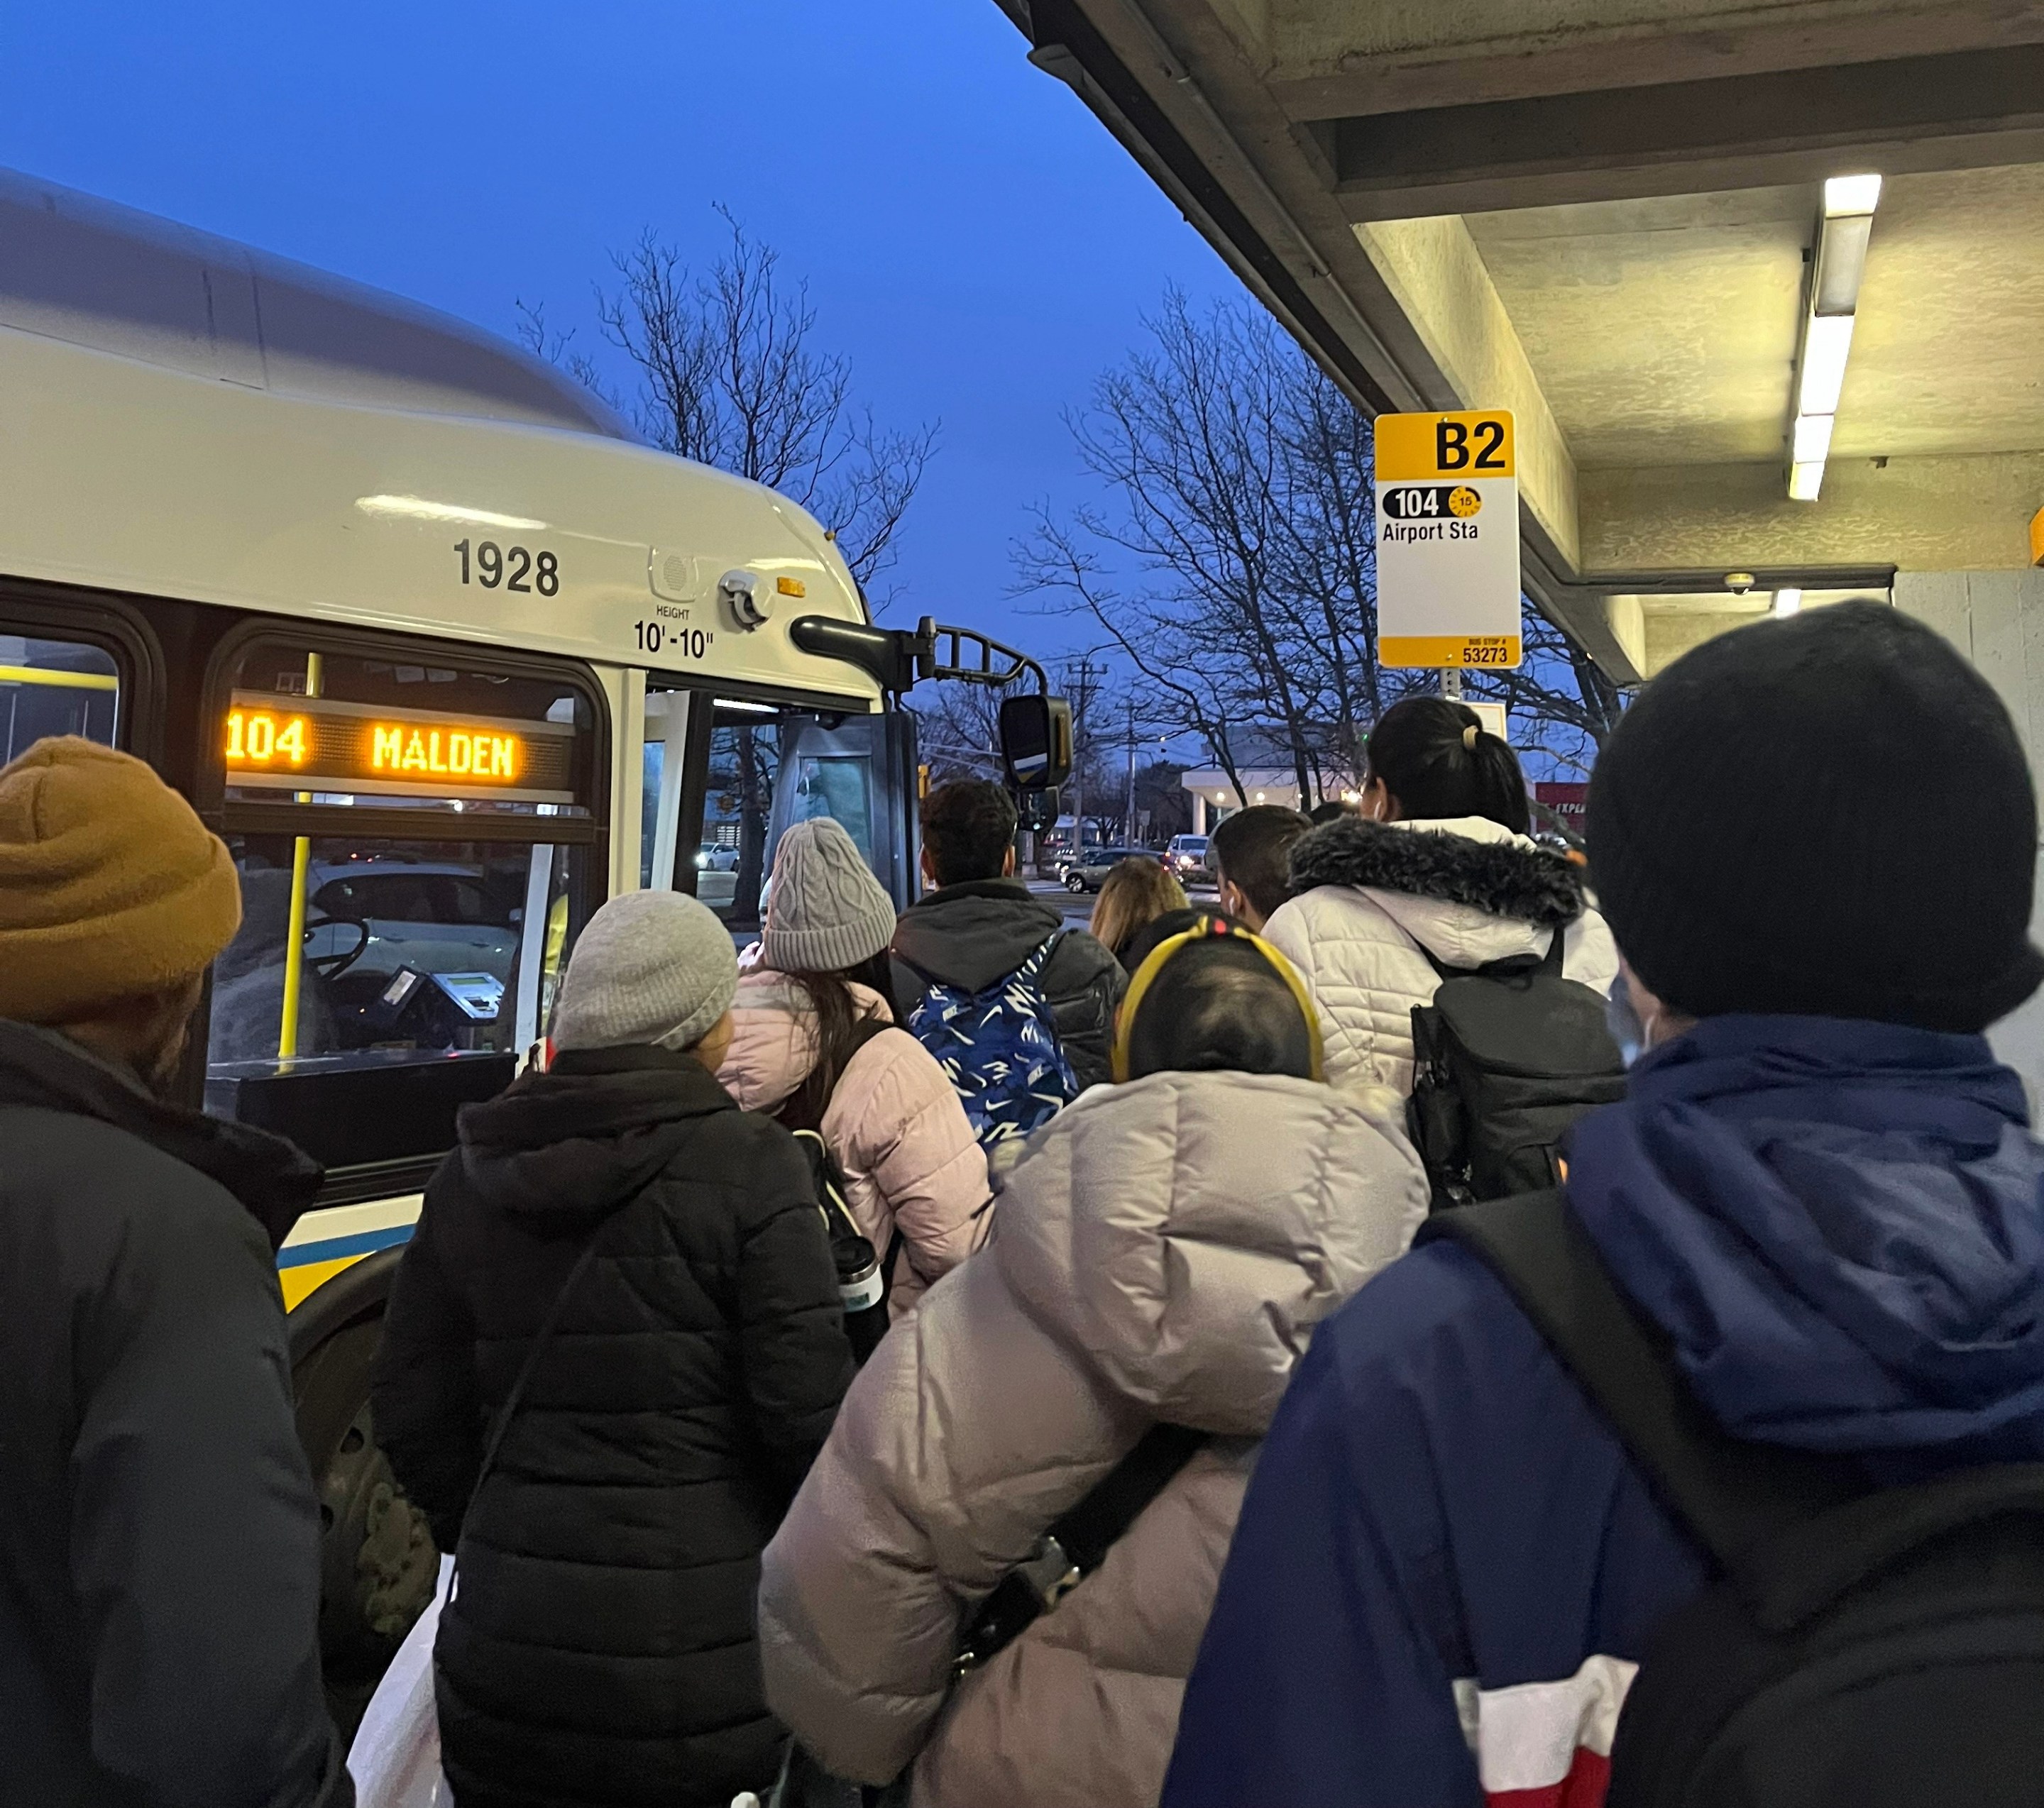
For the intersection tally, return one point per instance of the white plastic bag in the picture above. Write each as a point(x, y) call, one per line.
point(395, 1760)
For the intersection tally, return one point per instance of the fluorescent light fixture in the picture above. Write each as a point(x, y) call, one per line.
point(1838, 263)
point(750, 708)
point(1813, 438)
point(1787, 602)
point(1826, 340)
point(418, 509)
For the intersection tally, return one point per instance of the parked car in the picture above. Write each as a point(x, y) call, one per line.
point(1089, 872)
point(1189, 857)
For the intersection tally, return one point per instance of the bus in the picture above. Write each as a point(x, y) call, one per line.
point(446, 657)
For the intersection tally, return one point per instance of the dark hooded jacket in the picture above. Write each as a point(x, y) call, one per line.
point(972, 934)
point(160, 1538)
point(1447, 1566)
point(599, 1645)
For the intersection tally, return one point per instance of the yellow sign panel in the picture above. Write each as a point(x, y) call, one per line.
point(1476, 445)
point(1448, 540)
point(1467, 649)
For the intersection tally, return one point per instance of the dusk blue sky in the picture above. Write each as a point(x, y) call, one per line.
point(974, 239)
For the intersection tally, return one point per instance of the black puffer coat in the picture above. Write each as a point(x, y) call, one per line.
point(160, 1537)
point(599, 1646)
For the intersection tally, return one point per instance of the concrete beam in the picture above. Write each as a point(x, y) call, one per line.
point(1336, 62)
point(1436, 275)
point(1971, 109)
point(1928, 514)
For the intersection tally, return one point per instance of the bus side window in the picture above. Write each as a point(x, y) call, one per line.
point(416, 844)
point(55, 687)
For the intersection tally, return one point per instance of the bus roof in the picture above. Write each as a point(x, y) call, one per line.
point(380, 465)
point(90, 272)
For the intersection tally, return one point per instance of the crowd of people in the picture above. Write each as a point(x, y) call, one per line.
point(1208, 1458)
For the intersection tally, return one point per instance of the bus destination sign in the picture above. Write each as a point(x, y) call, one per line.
point(327, 745)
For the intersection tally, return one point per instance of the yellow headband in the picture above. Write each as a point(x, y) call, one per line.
point(1207, 928)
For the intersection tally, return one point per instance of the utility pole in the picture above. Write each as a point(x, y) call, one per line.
point(1128, 821)
point(1082, 678)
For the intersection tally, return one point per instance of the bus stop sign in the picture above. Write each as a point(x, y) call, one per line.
point(1448, 540)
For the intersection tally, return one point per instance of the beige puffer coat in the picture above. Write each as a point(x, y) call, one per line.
point(893, 1125)
point(1164, 1250)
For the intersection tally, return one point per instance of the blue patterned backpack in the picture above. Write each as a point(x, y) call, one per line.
point(999, 1048)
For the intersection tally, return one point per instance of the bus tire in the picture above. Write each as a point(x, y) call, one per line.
point(378, 1565)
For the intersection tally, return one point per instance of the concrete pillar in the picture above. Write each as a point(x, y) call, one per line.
point(1996, 619)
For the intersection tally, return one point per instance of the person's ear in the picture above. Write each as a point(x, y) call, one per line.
point(928, 864)
point(1377, 803)
point(1658, 1023)
point(1008, 866)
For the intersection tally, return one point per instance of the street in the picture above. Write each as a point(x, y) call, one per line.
point(1078, 906)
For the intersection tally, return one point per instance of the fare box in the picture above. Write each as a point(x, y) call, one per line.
point(1448, 540)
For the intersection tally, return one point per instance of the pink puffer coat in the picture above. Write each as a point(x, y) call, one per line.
point(894, 1127)
point(1165, 1249)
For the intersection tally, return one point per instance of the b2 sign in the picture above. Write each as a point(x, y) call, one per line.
point(1448, 540)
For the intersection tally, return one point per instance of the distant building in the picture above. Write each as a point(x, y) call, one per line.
point(1268, 775)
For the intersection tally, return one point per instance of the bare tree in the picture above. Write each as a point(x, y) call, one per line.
point(958, 729)
point(1240, 481)
point(729, 375)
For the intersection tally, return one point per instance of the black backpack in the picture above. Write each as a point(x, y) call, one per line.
point(864, 1281)
point(1505, 1058)
point(1862, 1648)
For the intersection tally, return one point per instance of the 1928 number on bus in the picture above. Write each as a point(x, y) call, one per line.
point(515, 567)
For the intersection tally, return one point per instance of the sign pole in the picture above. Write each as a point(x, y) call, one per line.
point(1451, 683)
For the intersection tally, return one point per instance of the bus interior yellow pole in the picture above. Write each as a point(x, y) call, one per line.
point(295, 937)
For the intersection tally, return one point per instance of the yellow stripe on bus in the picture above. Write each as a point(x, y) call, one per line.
point(299, 1283)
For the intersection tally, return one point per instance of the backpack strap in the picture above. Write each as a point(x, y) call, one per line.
point(516, 1397)
point(1077, 1544)
point(1039, 957)
point(802, 1109)
point(1733, 1494)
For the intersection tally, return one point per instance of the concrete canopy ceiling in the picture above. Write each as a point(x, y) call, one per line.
point(1598, 214)
point(1664, 332)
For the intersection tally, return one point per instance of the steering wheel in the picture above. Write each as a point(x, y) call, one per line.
point(332, 966)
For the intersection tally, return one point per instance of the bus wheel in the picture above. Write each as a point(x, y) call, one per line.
point(378, 1565)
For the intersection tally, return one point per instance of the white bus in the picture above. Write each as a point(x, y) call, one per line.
point(446, 657)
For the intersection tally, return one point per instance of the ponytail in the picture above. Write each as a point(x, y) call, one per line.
point(1438, 760)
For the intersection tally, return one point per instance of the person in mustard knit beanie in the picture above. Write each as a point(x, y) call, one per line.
point(160, 1573)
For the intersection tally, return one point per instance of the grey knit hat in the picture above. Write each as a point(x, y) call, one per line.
point(825, 911)
point(651, 967)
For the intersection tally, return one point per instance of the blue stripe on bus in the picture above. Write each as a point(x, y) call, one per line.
point(334, 1248)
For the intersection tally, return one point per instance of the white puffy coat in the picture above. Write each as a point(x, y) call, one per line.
point(1368, 896)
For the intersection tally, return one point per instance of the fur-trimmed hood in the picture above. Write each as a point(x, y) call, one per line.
point(1469, 860)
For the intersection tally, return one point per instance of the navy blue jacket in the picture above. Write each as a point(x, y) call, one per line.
point(1446, 1566)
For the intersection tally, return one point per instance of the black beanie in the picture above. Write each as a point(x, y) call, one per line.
point(1829, 814)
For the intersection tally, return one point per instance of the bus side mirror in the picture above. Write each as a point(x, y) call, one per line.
point(1036, 742)
point(1036, 811)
